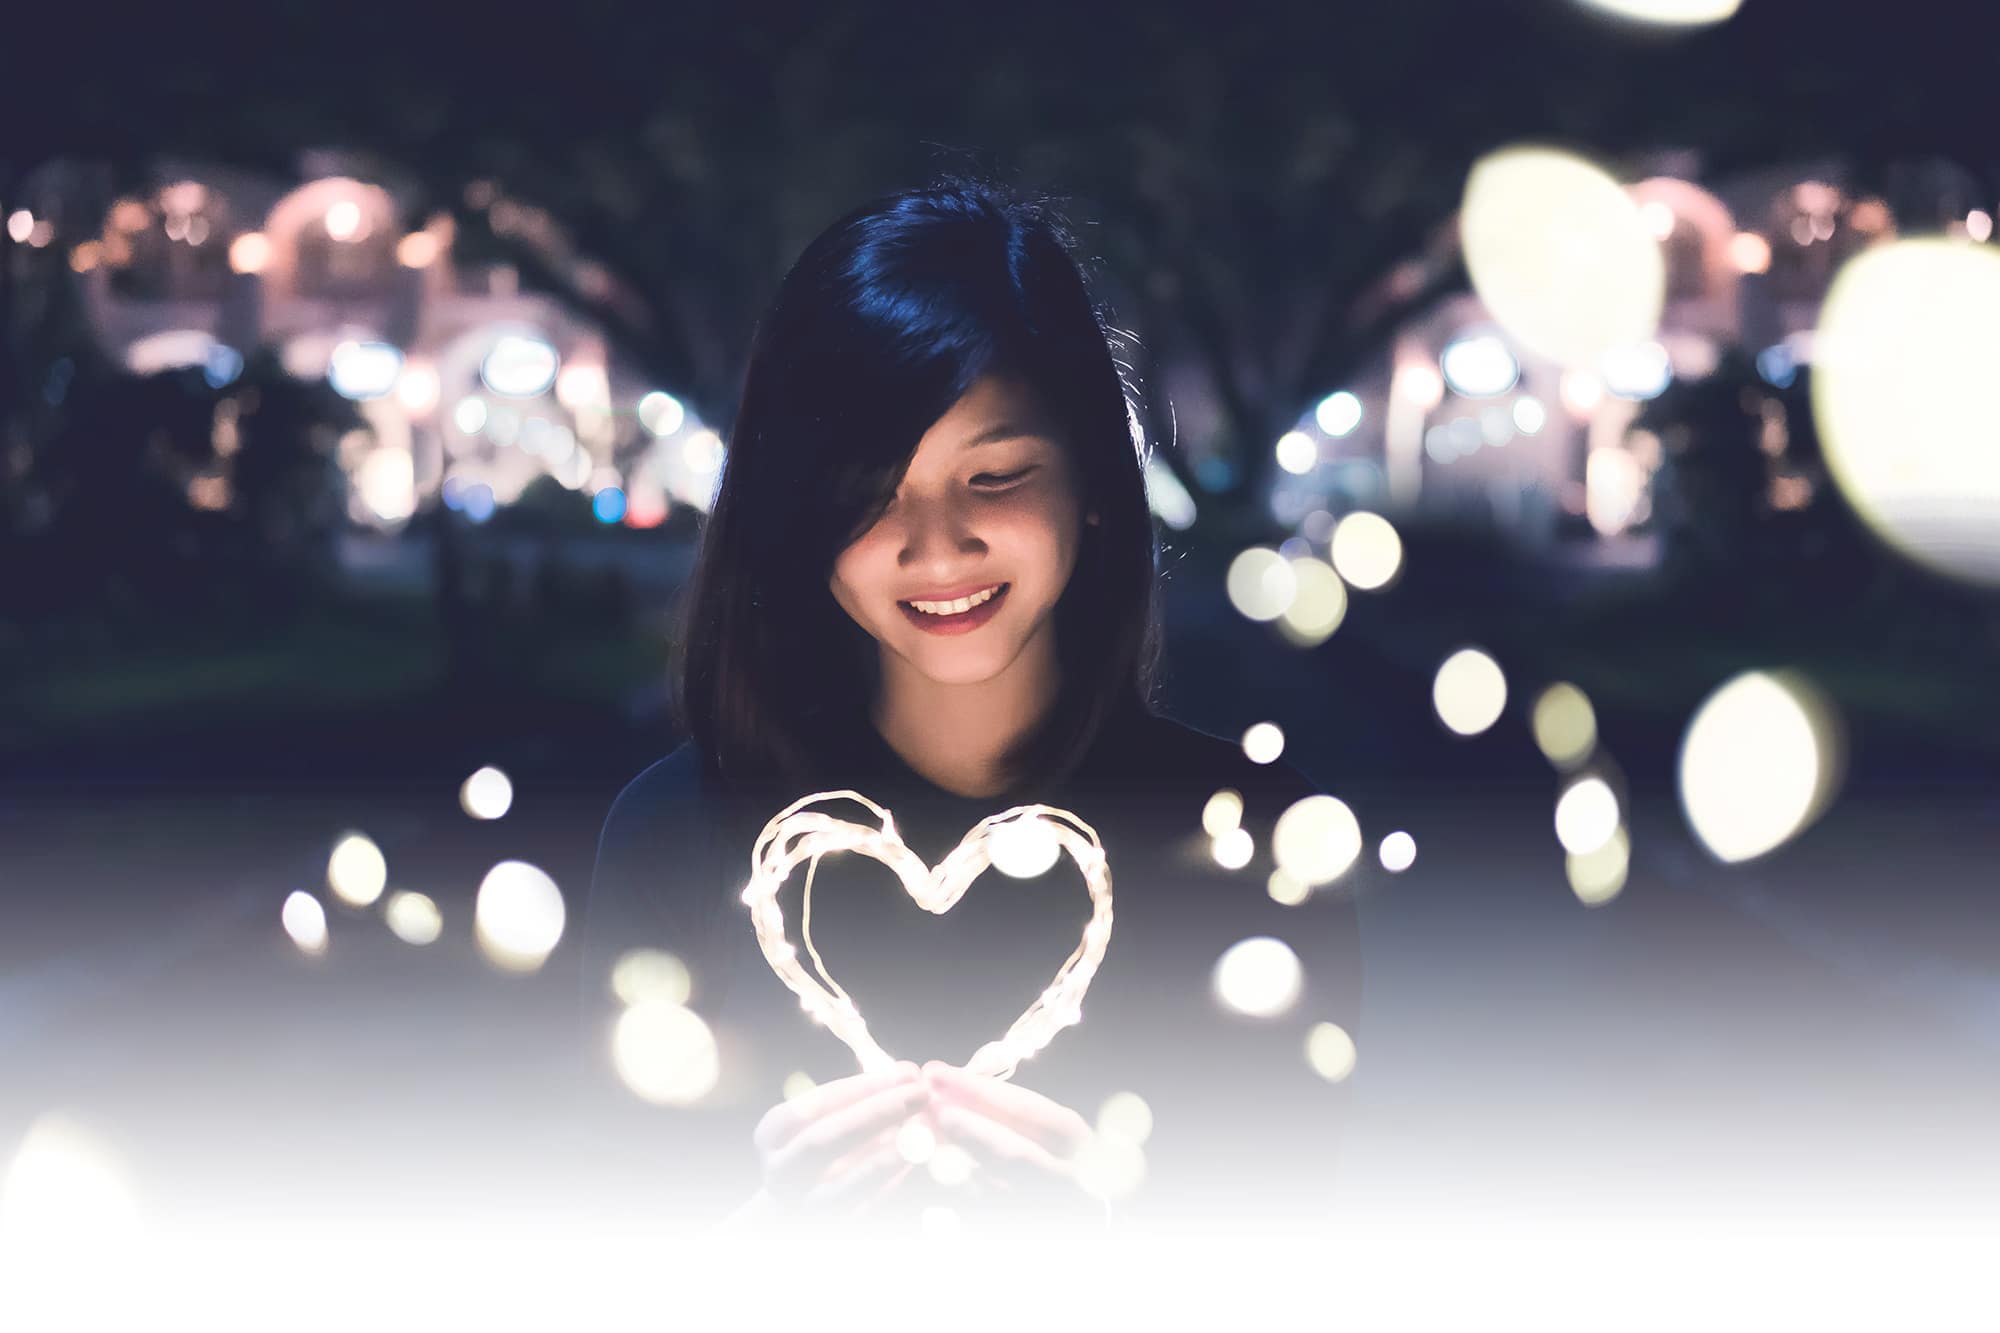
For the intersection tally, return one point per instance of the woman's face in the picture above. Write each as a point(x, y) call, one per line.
point(990, 498)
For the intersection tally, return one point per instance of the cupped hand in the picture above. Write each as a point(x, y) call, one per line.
point(1025, 1144)
point(833, 1150)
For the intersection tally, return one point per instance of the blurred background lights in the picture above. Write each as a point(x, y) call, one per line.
point(305, 921)
point(1222, 812)
point(1297, 453)
point(1338, 413)
point(520, 365)
point(1110, 1168)
point(1750, 252)
point(1479, 366)
point(1586, 816)
point(413, 917)
point(1560, 253)
point(1529, 415)
point(1565, 725)
point(1366, 550)
point(250, 252)
point(417, 390)
point(1470, 692)
point(1330, 1051)
point(20, 225)
point(344, 221)
point(643, 975)
point(356, 870)
point(1637, 371)
point(65, 1194)
point(1263, 742)
point(1598, 875)
point(665, 1053)
point(1316, 840)
point(1668, 13)
point(487, 794)
point(363, 370)
point(1759, 762)
point(518, 916)
point(1261, 583)
point(797, 1084)
point(1904, 396)
point(1319, 603)
point(1125, 1116)
point(470, 414)
point(1285, 889)
point(1023, 847)
point(608, 504)
point(1233, 849)
point(1398, 852)
point(417, 250)
point(386, 481)
point(1259, 977)
point(661, 413)
point(702, 452)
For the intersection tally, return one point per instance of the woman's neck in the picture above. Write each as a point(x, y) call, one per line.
point(955, 735)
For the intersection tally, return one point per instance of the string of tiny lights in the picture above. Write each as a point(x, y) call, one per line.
point(797, 834)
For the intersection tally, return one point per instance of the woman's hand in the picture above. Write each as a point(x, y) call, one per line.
point(1026, 1145)
point(832, 1151)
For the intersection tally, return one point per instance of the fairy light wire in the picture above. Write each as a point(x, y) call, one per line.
point(797, 834)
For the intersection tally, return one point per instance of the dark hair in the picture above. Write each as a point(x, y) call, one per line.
point(883, 323)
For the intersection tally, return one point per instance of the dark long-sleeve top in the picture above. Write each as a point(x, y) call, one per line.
point(1242, 1124)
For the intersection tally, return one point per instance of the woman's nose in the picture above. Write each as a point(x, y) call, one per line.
point(936, 527)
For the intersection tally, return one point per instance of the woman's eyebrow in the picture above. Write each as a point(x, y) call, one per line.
point(1006, 430)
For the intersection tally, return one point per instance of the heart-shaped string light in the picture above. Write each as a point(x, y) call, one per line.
point(796, 834)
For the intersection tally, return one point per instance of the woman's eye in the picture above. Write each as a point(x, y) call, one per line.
point(1000, 479)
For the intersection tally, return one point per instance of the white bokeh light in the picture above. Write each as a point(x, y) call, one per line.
point(413, 917)
point(1316, 840)
point(1366, 551)
point(518, 916)
point(305, 921)
point(1758, 764)
point(1261, 583)
point(665, 1053)
point(1586, 815)
point(1023, 847)
point(1338, 413)
point(487, 794)
point(1470, 692)
point(1330, 1051)
point(356, 870)
point(1260, 977)
point(1398, 852)
point(1263, 742)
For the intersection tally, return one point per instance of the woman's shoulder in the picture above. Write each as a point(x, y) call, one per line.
point(670, 791)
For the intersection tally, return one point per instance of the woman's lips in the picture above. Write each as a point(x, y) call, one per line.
point(962, 623)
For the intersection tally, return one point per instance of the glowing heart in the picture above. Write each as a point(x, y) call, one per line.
point(796, 834)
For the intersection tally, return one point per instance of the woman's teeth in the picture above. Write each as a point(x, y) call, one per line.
point(954, 608)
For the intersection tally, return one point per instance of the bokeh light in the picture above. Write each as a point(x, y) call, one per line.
point(518, 916)
point(1261, 583)
point(487, 794)
point(1330, 1051)
point(1668, 13)
point(1338, 413)
point(1297, 453)
point(1597, 876)
point(1586, 815)
point(1470, 692)
point(305, 921)
point(413, 917)
point(520, 365)
point(1398, 852)
point(1023, 847)
point(356, 870)
point(1222, 812)
point(1565, 725)
point(665, 1053)
point(1318, 606)
point(1125, 1116)
point(916, 1141)
point(1760, 761)
point(1316, 839)
point(1263, 742)
point(1260, 977)
point(1366, 550)
point(1110, 1168)
point(1903, 395)
point(1233, 849)
point(1560, 253)
point(1285, 889)
point(641, 976)
point(661, 413)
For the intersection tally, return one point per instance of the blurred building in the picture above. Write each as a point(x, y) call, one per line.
point(470, 386)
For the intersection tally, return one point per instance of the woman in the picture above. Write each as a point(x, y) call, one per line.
point(929, 576)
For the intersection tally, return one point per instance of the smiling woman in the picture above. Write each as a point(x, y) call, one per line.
point(929, 577)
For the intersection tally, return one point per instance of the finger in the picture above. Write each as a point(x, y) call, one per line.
point(840, 1129)
point(999, 1144)
point(852, 1178)
point(783, 1121)
point(1056, 1127)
